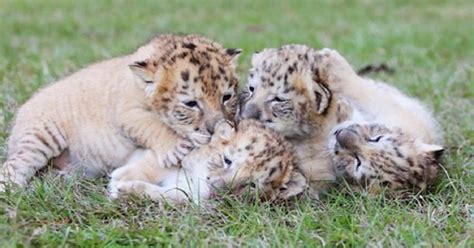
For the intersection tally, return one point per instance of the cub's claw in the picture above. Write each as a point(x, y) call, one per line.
point(200, 138)
point(180, 150)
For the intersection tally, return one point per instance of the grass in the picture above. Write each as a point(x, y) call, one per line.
point(429, 43)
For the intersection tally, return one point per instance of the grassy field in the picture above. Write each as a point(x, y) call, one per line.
point(429, 43)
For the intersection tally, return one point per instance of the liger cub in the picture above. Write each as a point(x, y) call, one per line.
point(166, 97)
point(285, 92)
point(252, 155)
point(384, 138)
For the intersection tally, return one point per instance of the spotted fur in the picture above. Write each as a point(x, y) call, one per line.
point(285, 92)
point(373, 155)
point(385, 138)
point(253, 155)
point(165, 97)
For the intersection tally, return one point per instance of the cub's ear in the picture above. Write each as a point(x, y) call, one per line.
point(233, 54)
point(295, 186)
point(322, 97)
point(432, 150)
point(144, 70)
point(224, 130)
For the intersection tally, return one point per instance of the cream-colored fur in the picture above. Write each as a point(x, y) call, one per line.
point(233, 160)
point(94, 119)
point(378, 102)
point(384, 137)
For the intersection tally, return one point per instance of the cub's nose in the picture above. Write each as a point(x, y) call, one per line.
point(346, 138)
point(251, 111)
point(210, 127)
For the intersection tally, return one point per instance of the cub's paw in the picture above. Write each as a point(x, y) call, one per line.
point(182, 148)
point(200, 138)
point(113, 189)
point(334, 68)
point(344, 110)
point(123, 173)
point(120, 189)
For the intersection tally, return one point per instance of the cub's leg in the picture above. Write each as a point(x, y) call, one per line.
point(317, 166)
point(30, 151)
point(146, 130)
point(153, 191)
point(320, 174)
point(140, 167)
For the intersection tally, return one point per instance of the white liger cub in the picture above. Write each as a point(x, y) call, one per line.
point(251, 156)
point(166, 97)
point(384, 137)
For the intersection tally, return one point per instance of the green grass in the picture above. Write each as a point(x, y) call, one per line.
point(429, 43)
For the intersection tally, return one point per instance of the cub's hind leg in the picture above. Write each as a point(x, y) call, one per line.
point(141, 166)
point(29, 151)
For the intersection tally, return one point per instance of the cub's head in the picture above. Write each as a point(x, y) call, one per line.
point(257, 157)
point(284, 91)
point(368, 153)
point(189, 81)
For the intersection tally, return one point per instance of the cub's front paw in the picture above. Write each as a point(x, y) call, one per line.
point(181, 149)
point(199, 138)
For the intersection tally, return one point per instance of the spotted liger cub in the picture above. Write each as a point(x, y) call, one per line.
point(252, 155)
point(165, 97)
point(384, 138)
point(285, 92)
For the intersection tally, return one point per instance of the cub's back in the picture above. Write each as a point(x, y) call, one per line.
point(86, 96)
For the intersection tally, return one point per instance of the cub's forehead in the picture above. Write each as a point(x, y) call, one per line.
point(196, 62)
point(257, 138)
point(369, 129)
point(393, 135)
point(194, 49)
point(283, 55)
point(277, 67)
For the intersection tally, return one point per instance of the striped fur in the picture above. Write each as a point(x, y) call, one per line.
point(94, 119)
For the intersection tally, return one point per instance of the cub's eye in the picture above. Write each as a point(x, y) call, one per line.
point(278, 99)
point(227, 161)
point(226, 97)
point(251, 88)
point(376, 139)
point(191, 104)
point(283, 188)
point(149, 82)
point(358, 162)
point(252, 185)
